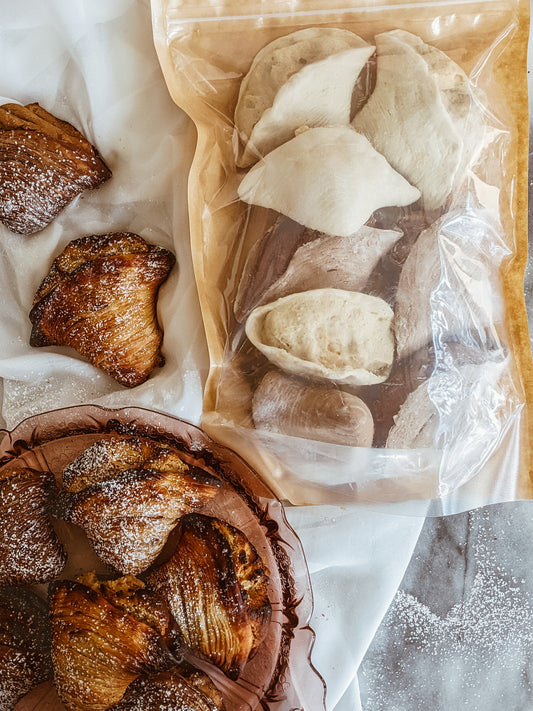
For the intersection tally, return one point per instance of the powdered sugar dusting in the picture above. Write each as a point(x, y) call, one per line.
point(102, 460)
point(42, 393)
point(128, 515)
point(463, 659)
point(169, 692)
point(44, 164)
point(19, 673)
point(24, 659)
point(30, 551)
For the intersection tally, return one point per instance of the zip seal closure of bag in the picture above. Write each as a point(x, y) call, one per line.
point(175, 13)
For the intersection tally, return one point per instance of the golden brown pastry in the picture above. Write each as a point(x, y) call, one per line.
point(24, 645)
point(44, 164)
point(131, 595)
point(100, 644)
point(30, 551)
point(216, 588)
point(110, 456)
point(177, 689)
point(128, 516)
point(100, 299)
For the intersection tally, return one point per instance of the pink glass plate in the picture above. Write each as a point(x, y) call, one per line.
point(280, 675)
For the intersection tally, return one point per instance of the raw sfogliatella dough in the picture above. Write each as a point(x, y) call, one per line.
point(341, 336)
point(422, 115)
point(288, 405)
point(327, 178)
point(304, 78)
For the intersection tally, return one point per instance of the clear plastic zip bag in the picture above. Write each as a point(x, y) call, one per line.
point(358, 212)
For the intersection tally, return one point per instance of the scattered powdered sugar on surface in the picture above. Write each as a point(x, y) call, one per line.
point(129, 518)
point(170, 693)
point(478, 656)
point(104, 459)
point(25, 398)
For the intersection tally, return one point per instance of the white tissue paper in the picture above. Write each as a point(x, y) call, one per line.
point(92, 63)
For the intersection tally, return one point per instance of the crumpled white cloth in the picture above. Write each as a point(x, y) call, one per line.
point(356, 557)
point(92, 62)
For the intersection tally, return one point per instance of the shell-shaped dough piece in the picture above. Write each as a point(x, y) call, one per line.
point(109, 457)
point(129, 517)
point(326, 178)
point(457, 94)
point(290, 406)
point(421, 115)
point(44, 164)
point(341, 336)
point(278, 61)
point(334, 262)
point(320, 94)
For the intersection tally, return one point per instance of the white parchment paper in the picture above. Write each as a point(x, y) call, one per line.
point(92, 62)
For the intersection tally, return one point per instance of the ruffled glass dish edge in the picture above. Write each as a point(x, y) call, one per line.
point(295, 683)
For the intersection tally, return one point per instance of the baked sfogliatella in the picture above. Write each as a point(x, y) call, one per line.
point(100, 298)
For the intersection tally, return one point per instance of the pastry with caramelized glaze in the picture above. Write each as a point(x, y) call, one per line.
point(100, 298)
point(30, 551)
point(103, 638)
point(131, 595)
point(24, 645)
point(177, 689)
point(129, 515)
point(216, 588)
point(110, 456)
point(44, 164)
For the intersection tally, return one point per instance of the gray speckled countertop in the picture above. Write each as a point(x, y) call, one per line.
point(459, 632)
